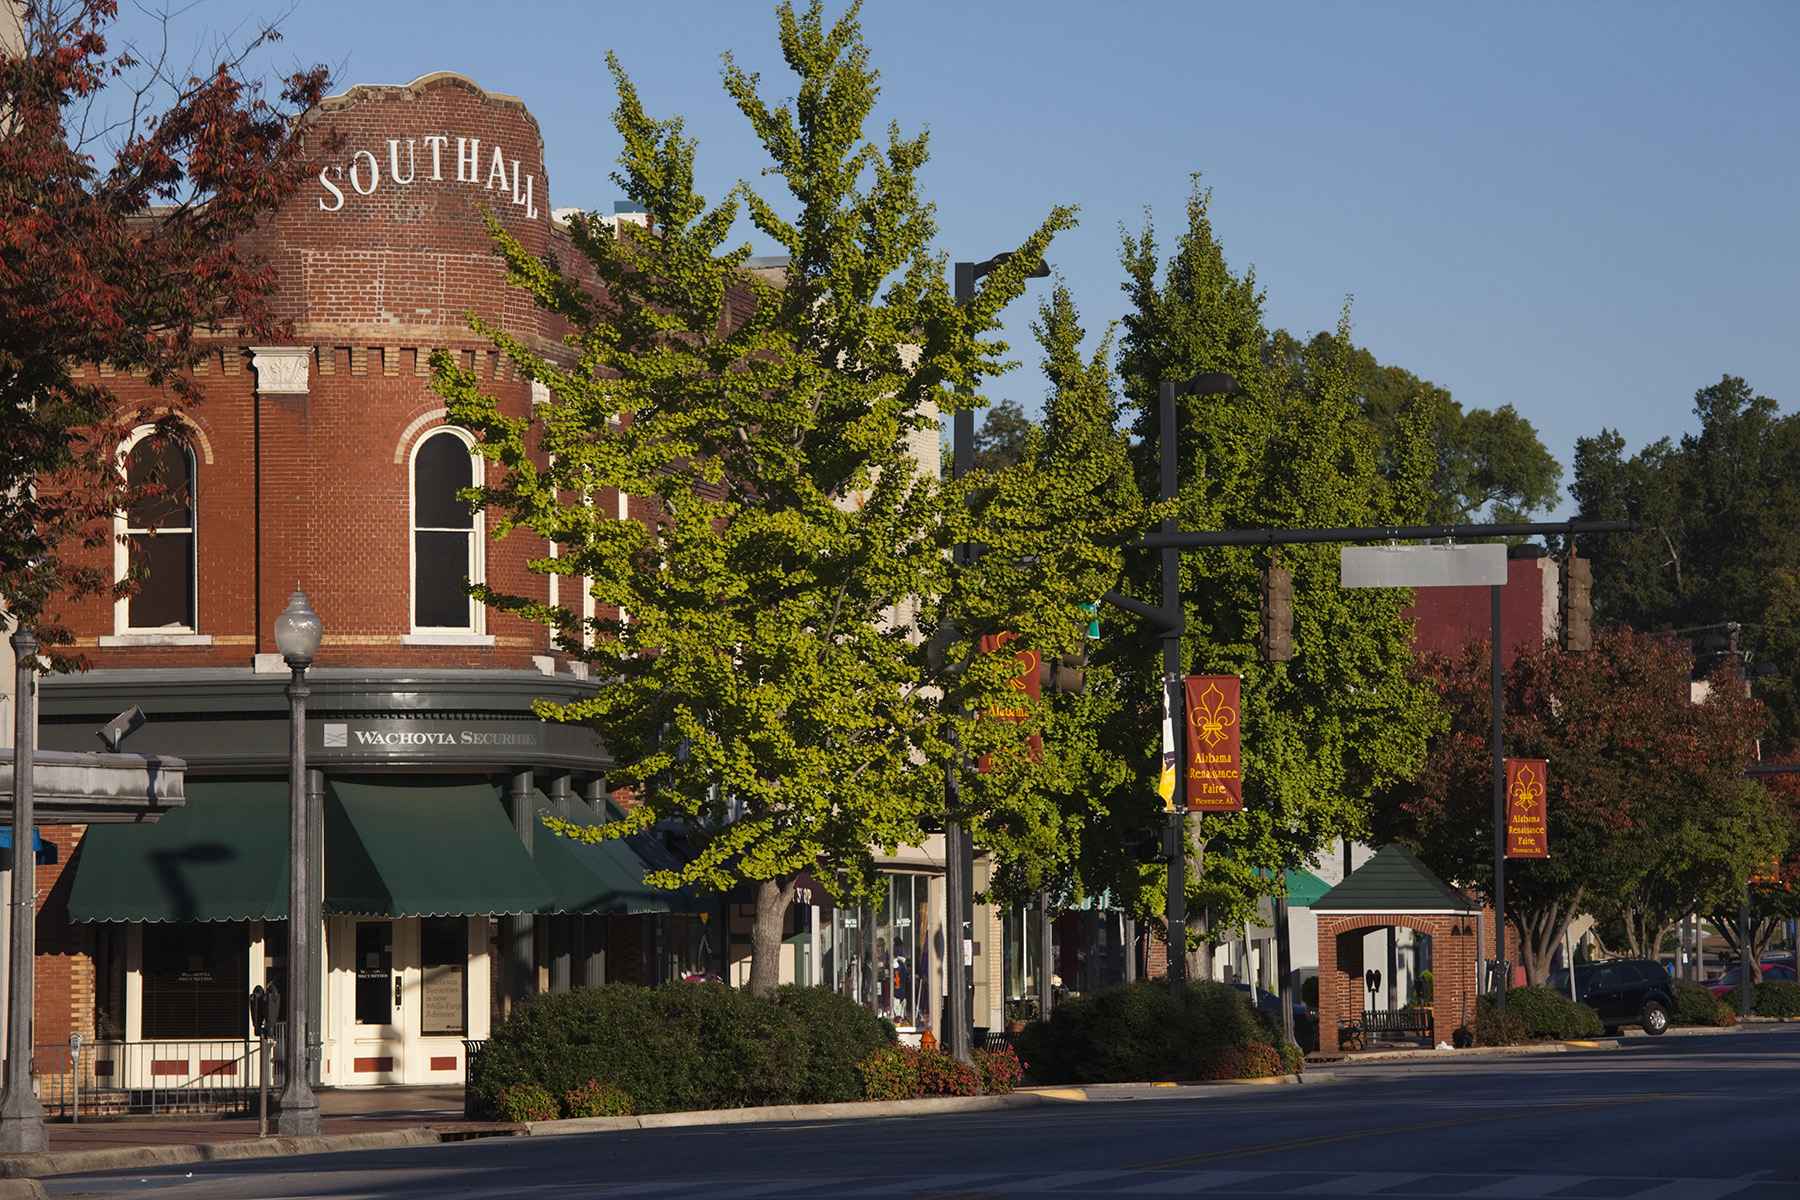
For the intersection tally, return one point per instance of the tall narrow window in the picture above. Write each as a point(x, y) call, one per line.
point(446, 551)
point(159, 534)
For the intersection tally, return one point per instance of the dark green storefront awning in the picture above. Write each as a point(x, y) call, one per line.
point(598, 877)
point(397, 847)
point(220, 857)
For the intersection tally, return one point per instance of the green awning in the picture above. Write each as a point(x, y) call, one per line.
point(598, 877)
point(1304, 888)
point(403, 847)
point(220, 857)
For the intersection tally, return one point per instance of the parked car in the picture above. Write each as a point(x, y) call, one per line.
point(1726, 985)
point(1267, 1003)
point(1624, 991)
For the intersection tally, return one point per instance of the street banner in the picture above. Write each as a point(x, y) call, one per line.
point(1527, 808)
point(1025, 682)
point(1165, 780)
point(1215, 777)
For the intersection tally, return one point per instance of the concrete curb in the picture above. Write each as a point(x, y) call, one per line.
point(1476, 1052)
point(121, 1158)
point(22, 1189)
point(774, 1113)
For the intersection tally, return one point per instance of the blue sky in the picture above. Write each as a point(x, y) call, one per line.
point(1588, 211)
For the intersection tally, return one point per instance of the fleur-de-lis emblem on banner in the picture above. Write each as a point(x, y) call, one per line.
point(1216, 717)
point(1527, 789)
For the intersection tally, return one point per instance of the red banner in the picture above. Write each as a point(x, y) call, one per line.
point(1215, 775)
point(1024, 683)
point(1527, 808)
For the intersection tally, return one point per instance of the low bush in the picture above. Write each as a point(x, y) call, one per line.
point(914, 1072)
point(1145, 1032)
point(1000, 1070)
point(840, 1033)
point(596, 1099)
point(525, 1102)
point(1548, 1013)
point(682, 1047)
point(942, 1075)
point(1695, 1005)
point(1777, 998)
point(1498, 1027)
point(891, 1073)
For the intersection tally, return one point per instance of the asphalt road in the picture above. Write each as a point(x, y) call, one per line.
point(1680, 1118)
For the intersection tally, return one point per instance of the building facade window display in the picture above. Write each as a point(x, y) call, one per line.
point(444, 968)
point(196, 981)
point(446, 553)
point(880, 954)
point(1023, 961)
point(158, 529)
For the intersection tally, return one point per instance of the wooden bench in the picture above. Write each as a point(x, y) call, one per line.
point(1385, 1023)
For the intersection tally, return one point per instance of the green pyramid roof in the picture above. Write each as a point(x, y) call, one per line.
point(1394, 881)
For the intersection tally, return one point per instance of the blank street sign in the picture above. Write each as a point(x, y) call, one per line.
point(1422, 566)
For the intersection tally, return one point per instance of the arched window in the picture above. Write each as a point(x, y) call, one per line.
point(446, 551)
point(158, 530)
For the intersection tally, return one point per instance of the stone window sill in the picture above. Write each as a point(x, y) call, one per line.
point(447, 639)
point(148, 638)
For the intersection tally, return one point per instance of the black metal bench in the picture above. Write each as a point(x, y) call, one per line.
point(1386, 1023)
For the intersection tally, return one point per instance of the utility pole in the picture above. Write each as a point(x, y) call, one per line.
point(959, 854)
point(1498, 752)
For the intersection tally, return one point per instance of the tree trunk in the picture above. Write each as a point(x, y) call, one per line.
point(772, 899)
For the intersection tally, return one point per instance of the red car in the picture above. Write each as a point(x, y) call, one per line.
point(1727, 984)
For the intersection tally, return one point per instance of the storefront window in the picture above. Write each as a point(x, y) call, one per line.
point(880, 953)
point(444, 965)
point(1022, 946)
point(374, 972)
point(196, 981)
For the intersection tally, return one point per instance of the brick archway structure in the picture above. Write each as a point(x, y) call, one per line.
point(1453, 968)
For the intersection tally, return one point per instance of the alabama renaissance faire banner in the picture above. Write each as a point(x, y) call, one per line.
point(1215, 774)
point(1527, 808)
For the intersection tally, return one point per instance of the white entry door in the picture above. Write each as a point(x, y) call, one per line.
point(377, 1009)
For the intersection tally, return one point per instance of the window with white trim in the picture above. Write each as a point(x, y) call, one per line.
point(446, 542)
point(157, 543)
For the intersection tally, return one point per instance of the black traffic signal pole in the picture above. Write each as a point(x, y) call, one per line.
point(1169, 619)
point(959, 854)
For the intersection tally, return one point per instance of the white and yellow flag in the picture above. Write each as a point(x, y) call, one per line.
point(1165, 782)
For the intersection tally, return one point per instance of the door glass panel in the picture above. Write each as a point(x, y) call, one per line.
point(444, 959)
point(374, 973)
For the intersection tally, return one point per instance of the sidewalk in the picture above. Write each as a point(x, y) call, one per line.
point(340, 1111)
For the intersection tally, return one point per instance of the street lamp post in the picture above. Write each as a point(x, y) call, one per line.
point(21, 1116)
point(297, 633)
point(1173, 624)
point(959, 854)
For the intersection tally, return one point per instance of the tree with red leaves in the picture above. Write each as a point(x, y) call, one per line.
point(124, 189)
point(1649, 813)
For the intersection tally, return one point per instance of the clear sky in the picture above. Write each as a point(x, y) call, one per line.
point(1587, 211)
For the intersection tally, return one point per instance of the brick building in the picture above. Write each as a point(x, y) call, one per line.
point(328, 463)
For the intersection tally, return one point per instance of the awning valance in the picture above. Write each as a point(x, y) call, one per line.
point(220, 857)
point(402, 847)
point(601, 877)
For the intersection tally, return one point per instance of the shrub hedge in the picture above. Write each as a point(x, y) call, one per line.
point(1695, 1005)
point(1777, 998)
point(1548, 1013)
point(913, 1072)
point(1145, 1032)
point(685, 1046)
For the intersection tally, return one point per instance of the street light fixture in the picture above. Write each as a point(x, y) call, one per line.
point(959, 856)
point(1173, 623)
point(21, 1116)
point(297, 634)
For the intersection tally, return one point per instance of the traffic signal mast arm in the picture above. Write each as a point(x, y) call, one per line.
point(1191, 540)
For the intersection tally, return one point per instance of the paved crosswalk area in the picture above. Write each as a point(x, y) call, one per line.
point(1074, 1184)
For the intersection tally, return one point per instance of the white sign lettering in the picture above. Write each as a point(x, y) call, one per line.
point(365, 173)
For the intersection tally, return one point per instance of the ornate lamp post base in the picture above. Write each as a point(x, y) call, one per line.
point(297, 1116)
point(22, 1124)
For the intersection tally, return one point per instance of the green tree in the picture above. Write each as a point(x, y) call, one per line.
point(1490, 463)
point(768, 643)
point(1720, 536)
point(1345, 719)
point(1000, 442)
point(1634, 767)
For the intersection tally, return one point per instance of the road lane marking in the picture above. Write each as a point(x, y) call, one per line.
point(1695, 1189)
point(1355, 1135)
point(1525, 1187)
point(913, 1183)
point(1188, 1184)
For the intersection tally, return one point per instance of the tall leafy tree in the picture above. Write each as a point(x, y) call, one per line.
point(1490, 463)
point(788, 647)
point(1634, 763)
point(1719, 541)
point(120, 244)
point(1345, 719)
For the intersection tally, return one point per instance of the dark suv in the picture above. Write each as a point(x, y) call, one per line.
point(1624, 991)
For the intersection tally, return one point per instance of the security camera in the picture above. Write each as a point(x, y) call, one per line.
point(122, 727)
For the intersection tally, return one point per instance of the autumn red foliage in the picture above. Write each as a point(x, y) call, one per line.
point(125, 189)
